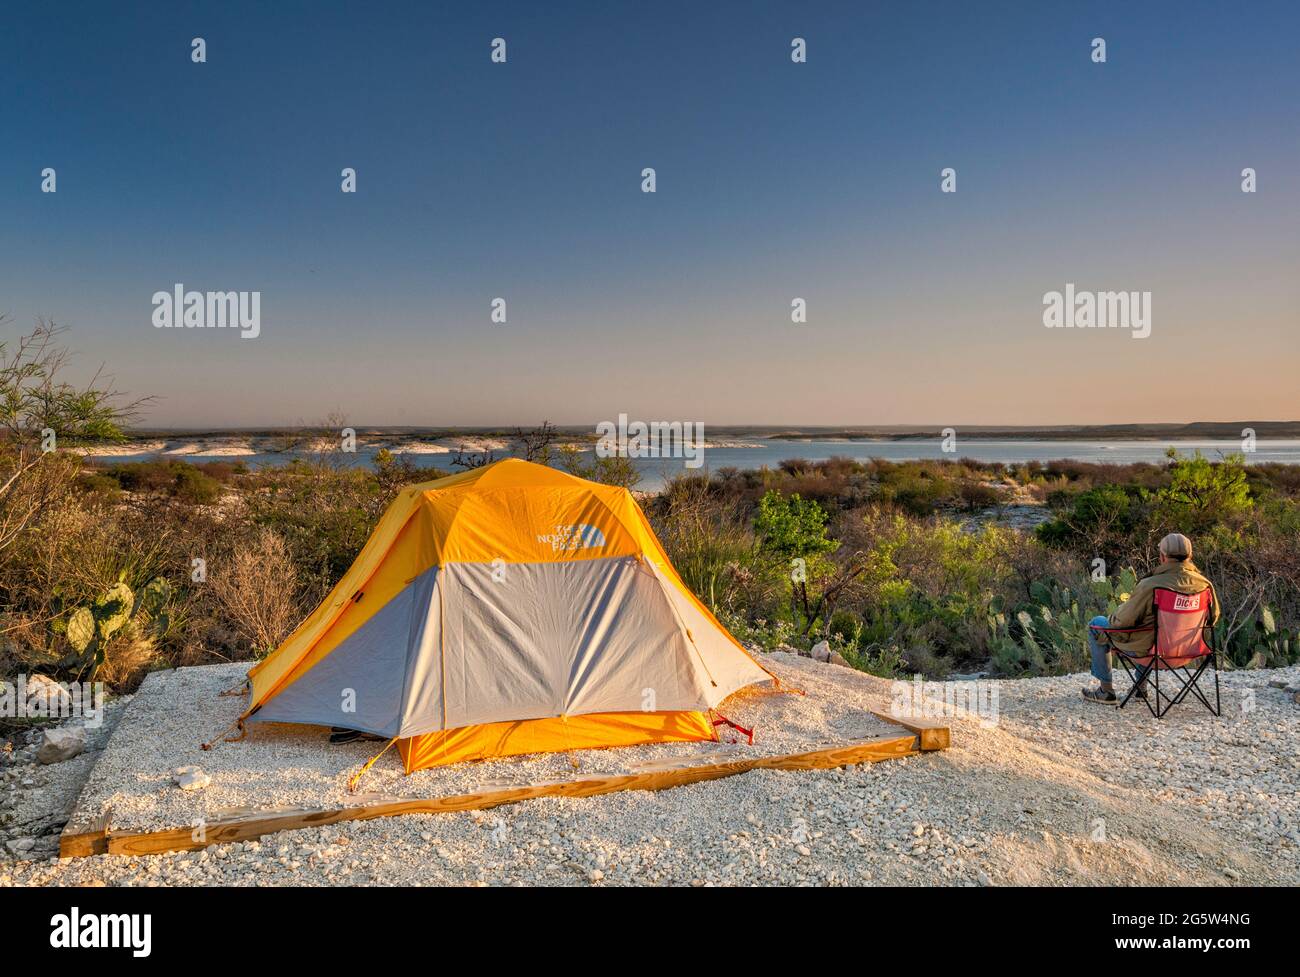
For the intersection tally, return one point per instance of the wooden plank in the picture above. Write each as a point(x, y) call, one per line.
point(90, 838)
point(246, 828)
point(933, 735)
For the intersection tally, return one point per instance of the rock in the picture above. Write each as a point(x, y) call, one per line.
point(190, 778)
point(61, 744)
point(46, 697)
point(799, 831)
point(1232, 873)
point(20, 845)
point(1277, 683)
point(821, 652)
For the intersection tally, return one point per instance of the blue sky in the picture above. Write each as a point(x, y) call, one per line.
point(775, 180)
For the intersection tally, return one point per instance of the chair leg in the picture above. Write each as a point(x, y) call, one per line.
point(1208, 662)
point(1132, 683)
point(1151, 679)
point(1190, 681)
point(1131, 671)
point(1189, 685)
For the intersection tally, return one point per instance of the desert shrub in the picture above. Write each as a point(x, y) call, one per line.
point(176, 479)
point(613, 470)
point(100, 484)
point(846, 627)
point(323, 514)
point(709, 541)
point(196, 487)
point(394, 472)
point(886, 662)
point(916, 492)
point(978, 495)
point(792, 527)
point(255, 586)
point(1274, 479)
point(1101, 521)
point(224, 472)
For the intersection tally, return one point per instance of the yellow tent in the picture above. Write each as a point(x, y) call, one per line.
point(508, 609)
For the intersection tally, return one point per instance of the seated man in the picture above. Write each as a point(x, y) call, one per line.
point(1177, 572)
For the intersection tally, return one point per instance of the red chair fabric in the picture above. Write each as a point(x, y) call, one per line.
point(1181, 620)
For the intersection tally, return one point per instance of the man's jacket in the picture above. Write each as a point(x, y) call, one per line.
point(1138, 610)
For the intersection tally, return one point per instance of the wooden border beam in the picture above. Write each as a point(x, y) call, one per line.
point(90, 838)
point(255, 826)
point(933, 735)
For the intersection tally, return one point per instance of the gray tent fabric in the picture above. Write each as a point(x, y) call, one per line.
point(552, 639)
point(477, 643)
point(723, 666)
point(367, 671)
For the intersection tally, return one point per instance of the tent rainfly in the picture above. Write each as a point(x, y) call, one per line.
point(505, 610)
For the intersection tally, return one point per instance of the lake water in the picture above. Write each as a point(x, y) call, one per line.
point(766, 452)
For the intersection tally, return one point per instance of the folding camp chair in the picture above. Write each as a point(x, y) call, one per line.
point(1183, 648)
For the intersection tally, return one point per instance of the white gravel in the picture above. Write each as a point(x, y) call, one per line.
point(294, 766)
point(1058, 791)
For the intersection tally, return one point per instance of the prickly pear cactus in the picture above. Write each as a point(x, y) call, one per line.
point(113, 610)
point(119, 611)
point(81, 630)
point(153, 597)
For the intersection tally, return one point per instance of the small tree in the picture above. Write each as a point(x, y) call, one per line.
point(535, 444)
point(469, 460)
point(614, 470)
point(40, 413)
point(1202, 494)
point(794, 529)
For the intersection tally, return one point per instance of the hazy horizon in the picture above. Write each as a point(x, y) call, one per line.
point(573, 428)
point(775, 181)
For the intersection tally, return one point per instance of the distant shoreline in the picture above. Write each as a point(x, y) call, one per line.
point(441, 439)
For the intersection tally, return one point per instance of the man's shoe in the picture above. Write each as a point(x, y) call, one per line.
point(1101, 697)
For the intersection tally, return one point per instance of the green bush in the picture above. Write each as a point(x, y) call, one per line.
point(175, 479)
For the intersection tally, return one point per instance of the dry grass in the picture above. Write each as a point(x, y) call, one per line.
point(255, 586)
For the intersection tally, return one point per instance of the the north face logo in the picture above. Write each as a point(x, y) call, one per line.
point(579, 536)
point(1187, 602)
